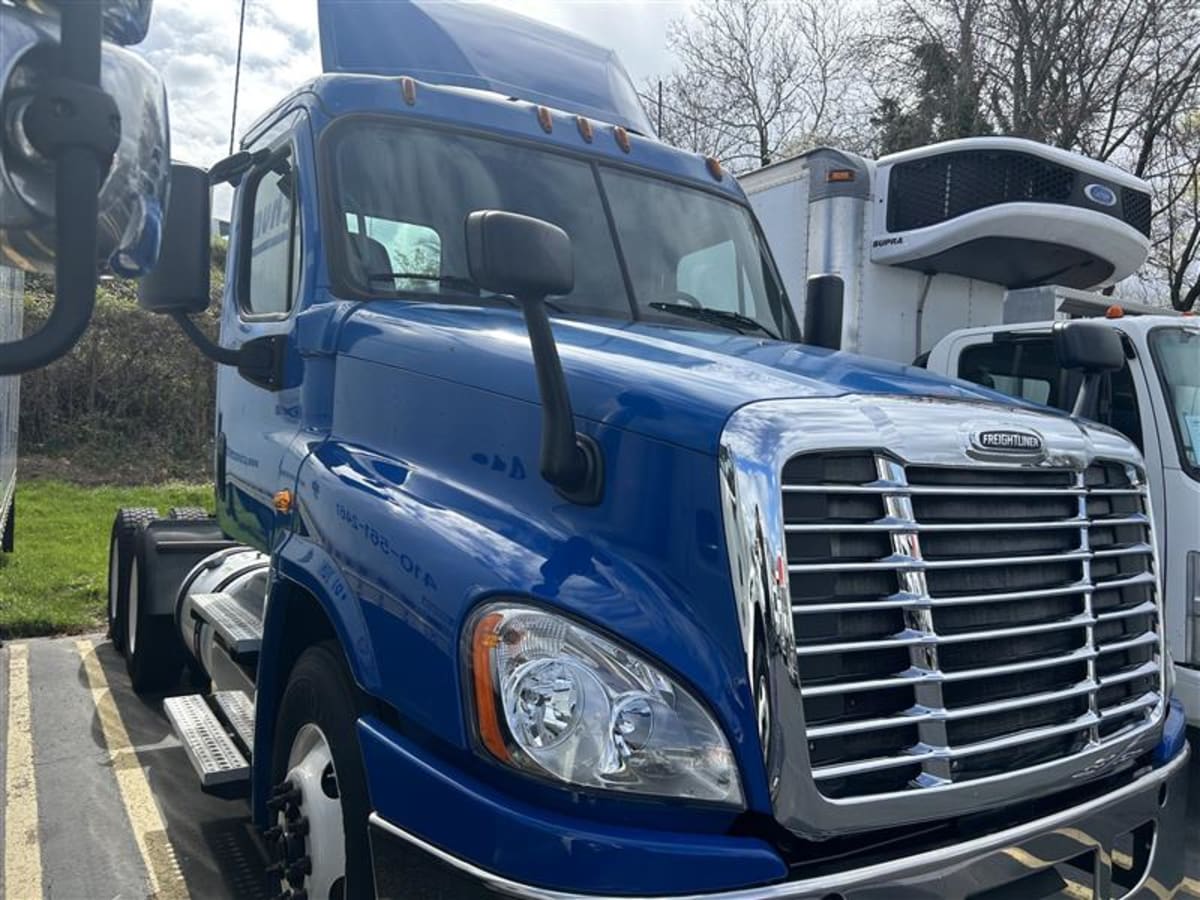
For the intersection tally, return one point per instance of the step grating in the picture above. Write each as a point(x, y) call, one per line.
point(212, 752)
point(238, 710)
point(239, 629)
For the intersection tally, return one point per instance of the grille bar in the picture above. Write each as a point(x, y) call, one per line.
point(916, 564)
point(935, 527)
point(1081, 723)
point(919, 656)
point(922, 490)
point(915, 715)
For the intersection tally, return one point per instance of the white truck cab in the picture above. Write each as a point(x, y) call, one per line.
point(1155, 401)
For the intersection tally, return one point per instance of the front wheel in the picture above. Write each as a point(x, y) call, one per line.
point(320, 842)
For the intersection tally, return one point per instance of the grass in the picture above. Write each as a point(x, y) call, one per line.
point(56, 581)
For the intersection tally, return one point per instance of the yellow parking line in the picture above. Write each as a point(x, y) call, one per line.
point(166, 881)
point(1192, 885)
point(22, 849)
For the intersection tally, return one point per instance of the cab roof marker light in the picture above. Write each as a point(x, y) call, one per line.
point(408, 87)
point(714, 167)
point(1114, 312)
point(585, 129)
point(622, 137)
point(544, 119)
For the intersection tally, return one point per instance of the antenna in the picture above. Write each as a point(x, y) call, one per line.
point(237, 76)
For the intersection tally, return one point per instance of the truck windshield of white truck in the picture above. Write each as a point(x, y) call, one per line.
point(1177, 358)
point(646, 249)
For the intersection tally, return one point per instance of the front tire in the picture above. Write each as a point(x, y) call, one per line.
point(121, 548)
point(316, 765)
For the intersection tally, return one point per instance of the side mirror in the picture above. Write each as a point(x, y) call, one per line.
point(513, 254)
point(179, 283)
point(531, 259)
point(1093, 348)
point(1088, 346)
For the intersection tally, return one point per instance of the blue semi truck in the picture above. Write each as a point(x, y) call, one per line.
point(548, 563)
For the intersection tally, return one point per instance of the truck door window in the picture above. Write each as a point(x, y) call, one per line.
point(272, 266)
point(1028, 368)
point(1018, 368)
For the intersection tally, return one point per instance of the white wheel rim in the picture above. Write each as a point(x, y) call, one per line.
point(112, 580)
point(308, 763)
point(131, 626)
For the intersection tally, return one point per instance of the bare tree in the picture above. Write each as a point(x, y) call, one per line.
point(1117, 81)
point(754, 78)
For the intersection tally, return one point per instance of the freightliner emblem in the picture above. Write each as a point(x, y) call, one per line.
point(1009, 440)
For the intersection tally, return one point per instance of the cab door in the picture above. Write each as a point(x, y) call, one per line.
point(265, 281)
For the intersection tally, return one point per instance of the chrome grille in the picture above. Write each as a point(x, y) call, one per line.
point(958, 622)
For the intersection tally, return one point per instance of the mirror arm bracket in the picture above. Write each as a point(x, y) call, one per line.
point(570, 461)
point(222, 356)
point(259, 361)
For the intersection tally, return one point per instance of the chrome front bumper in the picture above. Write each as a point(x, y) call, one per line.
point(1005, 859)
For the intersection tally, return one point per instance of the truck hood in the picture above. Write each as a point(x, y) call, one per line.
point(674, 384)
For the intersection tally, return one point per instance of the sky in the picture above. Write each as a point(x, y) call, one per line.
point(193, 43)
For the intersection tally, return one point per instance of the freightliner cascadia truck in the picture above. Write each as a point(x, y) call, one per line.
point(900, 259)
point(548, 563)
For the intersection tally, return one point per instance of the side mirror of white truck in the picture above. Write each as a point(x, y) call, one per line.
point(1092, 348)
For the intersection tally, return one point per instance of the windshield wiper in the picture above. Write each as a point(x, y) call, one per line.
point(459, 284)
point(723, 317)
point(454, 282)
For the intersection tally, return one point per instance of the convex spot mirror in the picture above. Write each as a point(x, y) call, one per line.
point(179, 283)
point(133, 191)
point(1089, 347)
point(513, 254)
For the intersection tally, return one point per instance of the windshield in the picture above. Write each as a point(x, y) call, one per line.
point(1177, 358)
point(645, 248)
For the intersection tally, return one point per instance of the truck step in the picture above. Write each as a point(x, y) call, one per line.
point(238, 710)
point(239, 630)
point(214, 755)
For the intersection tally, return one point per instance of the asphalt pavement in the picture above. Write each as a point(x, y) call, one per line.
point(101, 801)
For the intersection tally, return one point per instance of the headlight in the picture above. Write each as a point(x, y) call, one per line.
point(556, 699)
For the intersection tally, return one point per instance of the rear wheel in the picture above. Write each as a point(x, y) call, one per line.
point(122, 544)
point(150, 644)
point(320, 841)
point(188, 513)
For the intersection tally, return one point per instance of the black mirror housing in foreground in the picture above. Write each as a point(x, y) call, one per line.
point(513, 254)
point(1095, 349)
point(179, 282)
point(1088, 346)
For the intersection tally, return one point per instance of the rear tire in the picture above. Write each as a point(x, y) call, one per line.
point(320, 698)
point(150, 641)
point(121, 547)
point(188, 513)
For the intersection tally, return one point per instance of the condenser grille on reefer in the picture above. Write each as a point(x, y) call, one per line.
point(953, 623)
point(928, 191)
